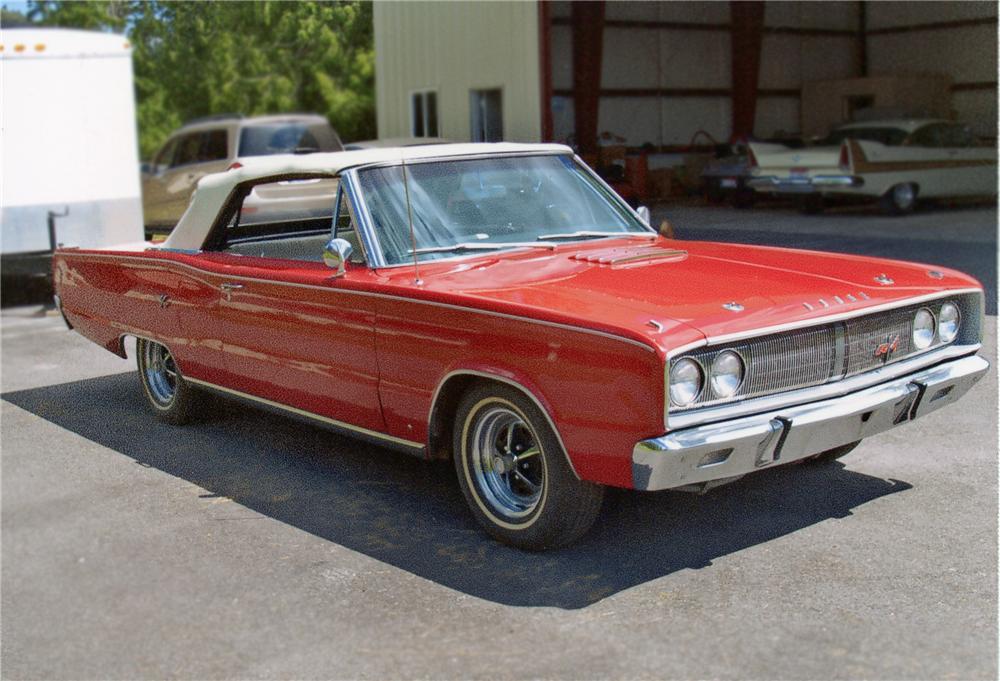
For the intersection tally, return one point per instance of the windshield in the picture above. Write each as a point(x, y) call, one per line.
point(891, 137)
point(482, 204)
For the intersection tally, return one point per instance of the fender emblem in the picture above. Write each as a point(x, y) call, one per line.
point(885, 350)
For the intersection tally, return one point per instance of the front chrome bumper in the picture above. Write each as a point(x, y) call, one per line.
point(805, 184)
point(701, 455)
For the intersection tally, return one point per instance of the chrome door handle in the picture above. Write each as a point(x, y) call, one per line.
point(228, 288)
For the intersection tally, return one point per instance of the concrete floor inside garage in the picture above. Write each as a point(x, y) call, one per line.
point(251, 546)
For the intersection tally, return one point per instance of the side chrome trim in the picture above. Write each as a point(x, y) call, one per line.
point(371, 294)
point(308, 414)
point(803, 396)
point(514, 384)
point(819, 321)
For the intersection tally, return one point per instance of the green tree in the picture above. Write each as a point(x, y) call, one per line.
point(196, 59)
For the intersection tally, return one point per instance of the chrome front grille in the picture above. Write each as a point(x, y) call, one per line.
point(830, 352)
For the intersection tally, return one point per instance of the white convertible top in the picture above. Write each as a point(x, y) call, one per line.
point(213, 190)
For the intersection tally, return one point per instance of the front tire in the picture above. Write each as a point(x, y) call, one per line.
point(514, 473)
point(171, 398)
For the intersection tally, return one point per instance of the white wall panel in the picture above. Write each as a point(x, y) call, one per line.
point(629, 59)
point(838, 15)
point(561, 54)
point(696, 12)
point(967, 54)
point(788, 61)
point(632, 11)
point(694, 59)
point(683, 116)
point(978, 108)
point(777, 116)
point(641, 120)
point(889, 14)
point(637, 119)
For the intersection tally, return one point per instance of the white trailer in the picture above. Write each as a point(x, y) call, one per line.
point(68, 144)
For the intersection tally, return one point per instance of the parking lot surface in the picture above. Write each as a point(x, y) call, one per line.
point(249, 545)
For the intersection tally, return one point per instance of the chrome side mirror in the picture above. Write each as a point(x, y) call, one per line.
point(643, 212)
point(335, 255)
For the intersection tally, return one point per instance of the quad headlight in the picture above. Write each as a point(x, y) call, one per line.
point(686, 382)
point(923, 328)
point(727, 373)
point(949, 319)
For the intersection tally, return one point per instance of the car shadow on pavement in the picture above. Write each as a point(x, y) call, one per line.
point(411, 514)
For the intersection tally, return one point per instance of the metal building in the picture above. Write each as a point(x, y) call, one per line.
point(655, 73)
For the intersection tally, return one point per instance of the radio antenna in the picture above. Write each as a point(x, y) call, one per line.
point(409, 214)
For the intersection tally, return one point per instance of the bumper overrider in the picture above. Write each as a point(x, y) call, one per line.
point(804, 184)
point(700, 457)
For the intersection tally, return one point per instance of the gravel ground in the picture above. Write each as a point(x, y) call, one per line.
point(251, 546)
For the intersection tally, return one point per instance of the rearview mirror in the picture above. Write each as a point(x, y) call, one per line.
point(335, 255)
point(643, 212)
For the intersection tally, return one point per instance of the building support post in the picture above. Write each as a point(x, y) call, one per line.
point(588, 41)
point(746, 39)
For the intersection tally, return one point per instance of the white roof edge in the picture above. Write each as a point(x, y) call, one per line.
point(213, 190)
point(61, 42)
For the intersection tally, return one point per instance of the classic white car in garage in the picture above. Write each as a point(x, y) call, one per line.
point(896, 162)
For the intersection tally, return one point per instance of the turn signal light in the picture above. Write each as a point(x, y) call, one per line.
point(234, 165)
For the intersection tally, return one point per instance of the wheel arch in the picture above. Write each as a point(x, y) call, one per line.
point(449, 391)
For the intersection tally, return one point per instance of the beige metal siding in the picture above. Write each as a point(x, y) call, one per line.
point(453, 47)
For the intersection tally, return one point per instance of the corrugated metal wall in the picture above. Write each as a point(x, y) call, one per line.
point(956, 42)
point(660, 46)
point(453, 47)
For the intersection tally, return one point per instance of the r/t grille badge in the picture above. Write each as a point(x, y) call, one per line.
point(885, 350)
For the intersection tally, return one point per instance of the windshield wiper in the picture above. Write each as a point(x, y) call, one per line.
point(456, 248)
point(591, 234)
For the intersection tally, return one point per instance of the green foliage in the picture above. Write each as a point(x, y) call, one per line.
point(194, 59)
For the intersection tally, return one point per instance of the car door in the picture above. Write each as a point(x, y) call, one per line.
point(273, 323)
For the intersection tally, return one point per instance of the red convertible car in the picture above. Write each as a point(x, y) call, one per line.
point(498, 304)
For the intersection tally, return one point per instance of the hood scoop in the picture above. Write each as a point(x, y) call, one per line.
point(631, 256)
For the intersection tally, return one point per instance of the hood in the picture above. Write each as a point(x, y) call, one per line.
point(673, 293)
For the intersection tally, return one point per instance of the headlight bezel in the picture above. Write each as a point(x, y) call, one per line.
point(676, 367)
point(948, 337)
point(714, 373)
point(922, 336)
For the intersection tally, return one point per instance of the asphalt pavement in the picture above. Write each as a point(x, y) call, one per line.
point(248, 545)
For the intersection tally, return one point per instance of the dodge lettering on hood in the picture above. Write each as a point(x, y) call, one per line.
point(499, 305)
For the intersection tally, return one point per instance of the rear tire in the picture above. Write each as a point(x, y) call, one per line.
point(899, 200)
point(171, 398)
point(833, 454)
point(514, 473)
